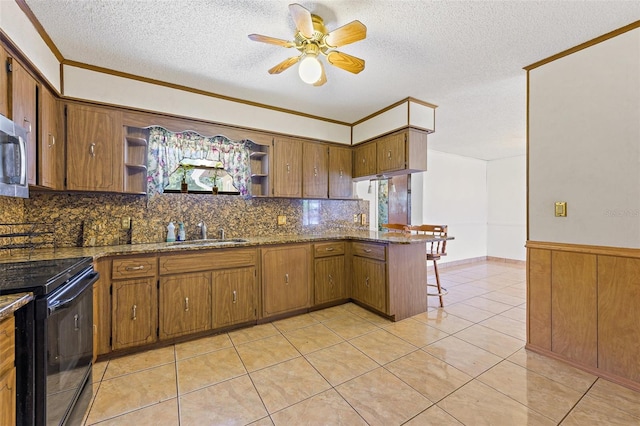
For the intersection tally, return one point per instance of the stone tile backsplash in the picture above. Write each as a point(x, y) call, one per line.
point(97, 219)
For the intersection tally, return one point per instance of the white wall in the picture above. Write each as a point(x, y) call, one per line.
point(454, 193)
point(507, 208)
point(584, 145)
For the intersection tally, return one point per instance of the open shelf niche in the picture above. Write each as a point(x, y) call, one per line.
point(135, 160)
point(259, 158)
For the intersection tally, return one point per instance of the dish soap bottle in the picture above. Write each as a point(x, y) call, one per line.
point(171, 232)
point(181, 233)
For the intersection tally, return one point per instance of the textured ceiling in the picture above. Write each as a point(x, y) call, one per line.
point(464, 56)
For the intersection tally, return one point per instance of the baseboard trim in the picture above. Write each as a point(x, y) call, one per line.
point(472, 260)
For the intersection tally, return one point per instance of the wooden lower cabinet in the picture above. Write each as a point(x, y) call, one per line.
point(135, 312)
point(329, 280)
point(185, 304)
point(369, 282)
point(234, 296)
point(285, 279)
point(8, 398)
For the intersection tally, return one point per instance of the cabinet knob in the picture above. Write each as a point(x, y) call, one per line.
point(235, 296)
point(133, 312)
point(366, 282)
point(186, 304)
point(92, 149)
point(389, 155)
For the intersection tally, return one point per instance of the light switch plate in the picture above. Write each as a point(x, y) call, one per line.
point(282, 220)
point(561, 209)
point(126, 222)
point(363, 219)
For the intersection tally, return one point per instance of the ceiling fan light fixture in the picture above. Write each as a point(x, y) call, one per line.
point(310, 69)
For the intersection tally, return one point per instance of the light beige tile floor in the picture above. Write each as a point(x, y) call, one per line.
point(461, 364)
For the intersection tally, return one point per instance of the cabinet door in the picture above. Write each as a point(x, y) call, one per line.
point(369, 282)
point(391, 153)
point(24, 113)
point(134, 317)
point(185, 304)
point(234, 296)
point(340, 172)
point(315, 170)
point(51, 149)
point(285, 279)
point(329, 284)
point(94, 149)
point(287, 165)
point(8, 398)
point(365, 160)
point(4, 83)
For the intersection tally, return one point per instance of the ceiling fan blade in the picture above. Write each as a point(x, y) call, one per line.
point(284, 65)
point(302, 18)
point(323, 77)
point(346, 34)
point(346, 62)
point(271, 40)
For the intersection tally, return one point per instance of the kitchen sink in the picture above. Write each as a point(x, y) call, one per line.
point(207, 242)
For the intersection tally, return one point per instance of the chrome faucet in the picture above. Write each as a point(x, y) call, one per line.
point(221, 233)
point(203, 230)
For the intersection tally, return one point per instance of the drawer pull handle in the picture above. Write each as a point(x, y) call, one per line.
point(52, 140)
point(288, 168)
point(389, 154)
point(330, 249)
point(367, 250)
point(135, 268)
point(92, 149)
point(340, 172)
point(330, 279)
point(134, 316)
point(235, 296)
point(75, 322)
point(366, 282)
point(27, 125)
point(186, 304)
point(315, 171)
point(286, 279)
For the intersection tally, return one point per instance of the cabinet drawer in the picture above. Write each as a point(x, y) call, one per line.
point(373, 251)
point(133, 267)
point(7, 344)
point(328, 249)
point(207, 260)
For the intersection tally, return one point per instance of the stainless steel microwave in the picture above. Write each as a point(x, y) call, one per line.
point(13, 159)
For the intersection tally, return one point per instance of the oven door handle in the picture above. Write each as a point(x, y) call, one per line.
point(84, 282)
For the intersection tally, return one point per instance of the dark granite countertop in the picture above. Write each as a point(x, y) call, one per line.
point(236, 241)
point(12, 302)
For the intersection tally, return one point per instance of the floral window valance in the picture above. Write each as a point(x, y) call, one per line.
point(167, 149)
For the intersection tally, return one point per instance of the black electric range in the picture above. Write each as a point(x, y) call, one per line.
point(54, 338)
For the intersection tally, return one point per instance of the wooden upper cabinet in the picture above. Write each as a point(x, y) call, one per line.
point(340, 172)
point(391, 153)
point(365, 160)
point(24, 112)
point(4, 83)
point(315, 170)
point(287, 168)
point(94, 149)
point(51, 149)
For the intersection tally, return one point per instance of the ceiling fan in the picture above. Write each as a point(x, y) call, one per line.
point(313, 40)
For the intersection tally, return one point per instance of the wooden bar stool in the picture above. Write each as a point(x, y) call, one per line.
point(396, 227)
point(435, 250)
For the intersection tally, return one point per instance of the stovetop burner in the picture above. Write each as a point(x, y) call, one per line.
point(39, 277)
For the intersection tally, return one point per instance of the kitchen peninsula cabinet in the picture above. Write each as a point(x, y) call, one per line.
point(329, 272)
point(340, 172)
point(370, 275)
point(285, 279)
point(315, 170)
point(94, 148)
point(287, 168)
point(134, 302)
point(24, 111)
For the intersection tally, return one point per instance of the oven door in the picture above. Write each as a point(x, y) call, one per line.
point(65, 362)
